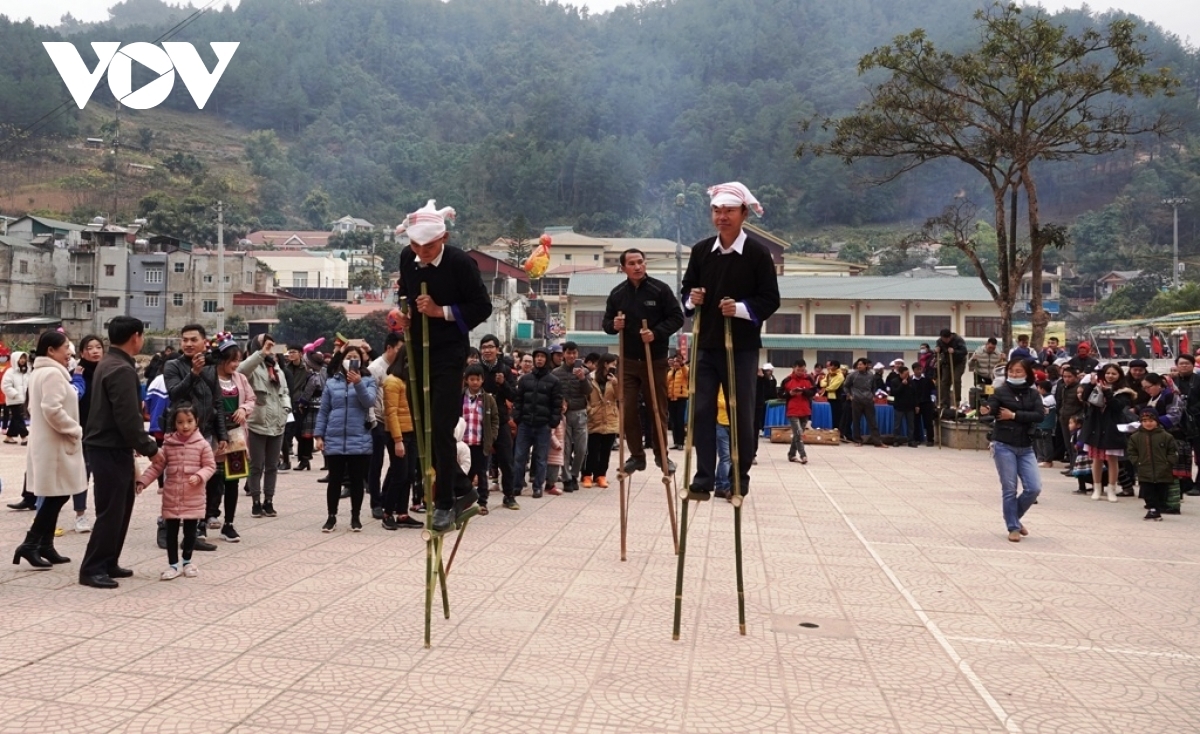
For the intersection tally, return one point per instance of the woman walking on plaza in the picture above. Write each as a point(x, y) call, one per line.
point(54, 465)
point(1016, 408)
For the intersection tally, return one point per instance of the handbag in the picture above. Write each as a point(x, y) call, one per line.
point(1096, 398)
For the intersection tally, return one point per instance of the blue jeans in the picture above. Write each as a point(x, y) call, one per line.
point(724, 460)
point(1013, 463)
point(797, 448)
point(536, 438)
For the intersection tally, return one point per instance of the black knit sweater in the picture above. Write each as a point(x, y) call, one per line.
point(455, 285)
point(748, 277)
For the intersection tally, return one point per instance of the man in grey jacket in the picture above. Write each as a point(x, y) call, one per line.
point(860, 383)
point(576, 386)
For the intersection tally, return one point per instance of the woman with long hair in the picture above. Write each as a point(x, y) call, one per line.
point(1016, 407)
point(54, 465)
point(89, 351)
point(1107, 400)
point(603, 425)
point(237, 403)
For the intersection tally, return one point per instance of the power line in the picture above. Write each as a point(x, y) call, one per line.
point(44, 121)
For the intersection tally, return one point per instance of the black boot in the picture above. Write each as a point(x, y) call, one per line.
point(28, 502)
point(303, 465)
point(29, 551)
point(46, 551)
point(162, 535)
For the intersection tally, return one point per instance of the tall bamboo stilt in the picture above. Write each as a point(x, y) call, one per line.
point(687, 474)
point(622, 478)
point(736, 500)
point(937, 417)
point(660, 434)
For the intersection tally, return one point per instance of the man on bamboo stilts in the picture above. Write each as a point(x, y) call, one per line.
point(642, 298)
point(456, 301)
point(729, 275)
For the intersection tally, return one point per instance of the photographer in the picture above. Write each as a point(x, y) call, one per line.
point(343, 431)
point(188, 382)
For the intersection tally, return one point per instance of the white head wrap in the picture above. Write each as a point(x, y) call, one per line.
point(427, 223)
point(734, 193)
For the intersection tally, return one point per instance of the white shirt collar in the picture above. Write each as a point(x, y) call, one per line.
point(738, 244)
point(436, 261)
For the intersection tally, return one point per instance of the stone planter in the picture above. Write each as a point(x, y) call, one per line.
point(971, 435)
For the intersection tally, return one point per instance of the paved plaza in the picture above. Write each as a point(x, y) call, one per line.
point(927, 619)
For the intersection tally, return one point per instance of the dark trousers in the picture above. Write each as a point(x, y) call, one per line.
point(304, 448)
point(760, 418)
point(502, 459)
point(113, 469)
point(598, 454)
point(379, 447)
point(711, 373)
point(533, 440)
point(219, 488)
point(398, 482)
point(906, 426)
point(1154, 494)
point(342, 467)
point(677, 411)
point(859, 411)
point(16, 422)
point(478, 473)
point(635, 384)
point(445, 398)
point(47, 516)
point(289, 435)
point(926, 418)
point(835, 414)
point(189, 539)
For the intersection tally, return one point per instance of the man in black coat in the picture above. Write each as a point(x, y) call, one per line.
point(537, 410)
point(730, 278)
point(642, 298)
point(952, 357)
point(114, 431)
point(499, 382)
point(456, 301)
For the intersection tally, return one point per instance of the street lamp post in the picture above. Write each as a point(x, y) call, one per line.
point(680, 200)
point(1174, 202)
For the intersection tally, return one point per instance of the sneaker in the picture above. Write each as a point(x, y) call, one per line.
point(586, 482)
point(794, 459)
point(229, 535)
point(214, 523)
point(511, 504)
point(389, 521)
point(256, 510)
point(602, 482)
point(329, 523)
point(269, 509)
point(418, 509)
point(1014, 536)
point(634, 463)
point(376, 513)
point(82, 525)
point(190, 571)
point(171, 573)
point(355, 525)
point(1153, 515)
point(569, 487)
point(405, 521)
point(554, 491)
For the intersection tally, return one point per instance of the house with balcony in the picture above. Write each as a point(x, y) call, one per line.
point(819, 319)
point(351, 224)
point(1114, 281)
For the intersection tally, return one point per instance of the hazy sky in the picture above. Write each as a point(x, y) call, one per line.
point(1181, 17)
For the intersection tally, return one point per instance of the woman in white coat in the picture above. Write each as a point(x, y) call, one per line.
point(54, 465)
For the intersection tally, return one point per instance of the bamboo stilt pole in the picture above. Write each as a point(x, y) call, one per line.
point(687, 475)
point(736, 500)
point(622, 478)
point(663, 461)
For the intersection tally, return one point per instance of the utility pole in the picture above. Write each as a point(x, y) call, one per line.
point(220, 266)
point(1174, 202)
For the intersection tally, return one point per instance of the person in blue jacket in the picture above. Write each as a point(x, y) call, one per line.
point(343, 431)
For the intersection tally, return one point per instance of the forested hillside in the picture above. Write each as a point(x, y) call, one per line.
point(522, 108)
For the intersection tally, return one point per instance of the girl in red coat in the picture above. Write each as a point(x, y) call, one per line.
point(186, 463)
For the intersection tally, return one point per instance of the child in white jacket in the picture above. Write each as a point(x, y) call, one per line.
point(16, 378)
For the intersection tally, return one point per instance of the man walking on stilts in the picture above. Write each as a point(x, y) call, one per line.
point(729, 275)
point(455, 302)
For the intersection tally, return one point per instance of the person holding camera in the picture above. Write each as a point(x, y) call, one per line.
point(267, 424)
point(642, 298)
point(188, 382)
point(343, 432)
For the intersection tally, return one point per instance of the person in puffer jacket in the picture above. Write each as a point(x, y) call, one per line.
point(537, 409)
point(343, 432)
point(14, 384)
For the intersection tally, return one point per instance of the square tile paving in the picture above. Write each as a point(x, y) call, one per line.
point(882, 596)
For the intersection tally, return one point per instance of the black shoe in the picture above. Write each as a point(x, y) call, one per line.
point(634, 463)
point(116, 572)
point(722, 494)
point(269, 509)
point(29, 551)
point(203, 545)
point(1152, 515)
point(256, 510)
point(284, 465)
point(389, 521)
point(229, 535)
point(405, 521)
point(570, 487)
point(98, 581)
point(26, 503)
point(1190, 493)
point(162, 537)
point(464, 502)
point(355, 524)
point(670, 465)
point(324, 479)
point(510, 503)
point(377, 513)
point(46, 551)
point(303, 465)
point(443, 519)
point(537, 494)
point(329, 523)
point(699, 495)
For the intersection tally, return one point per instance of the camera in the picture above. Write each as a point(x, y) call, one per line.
point(211, 357)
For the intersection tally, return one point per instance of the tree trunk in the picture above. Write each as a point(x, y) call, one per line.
point(1039, 319)
point(1005, 255)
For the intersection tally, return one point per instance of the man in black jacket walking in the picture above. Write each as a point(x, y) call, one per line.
point(499, 383)
point(642, 298)
point(729, 276)
point(114, 431)
point(456, 301)
point(537, 409)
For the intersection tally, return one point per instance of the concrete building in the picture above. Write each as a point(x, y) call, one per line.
point(33, 280)
point(307, 274)
point(351, 224)
point(193, 290)
point(287, 239)
point(829, 318)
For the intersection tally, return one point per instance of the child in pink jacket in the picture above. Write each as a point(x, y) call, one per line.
point(554, 457)
point(186, 462)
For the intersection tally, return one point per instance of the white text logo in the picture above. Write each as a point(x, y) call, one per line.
point(118, 61)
